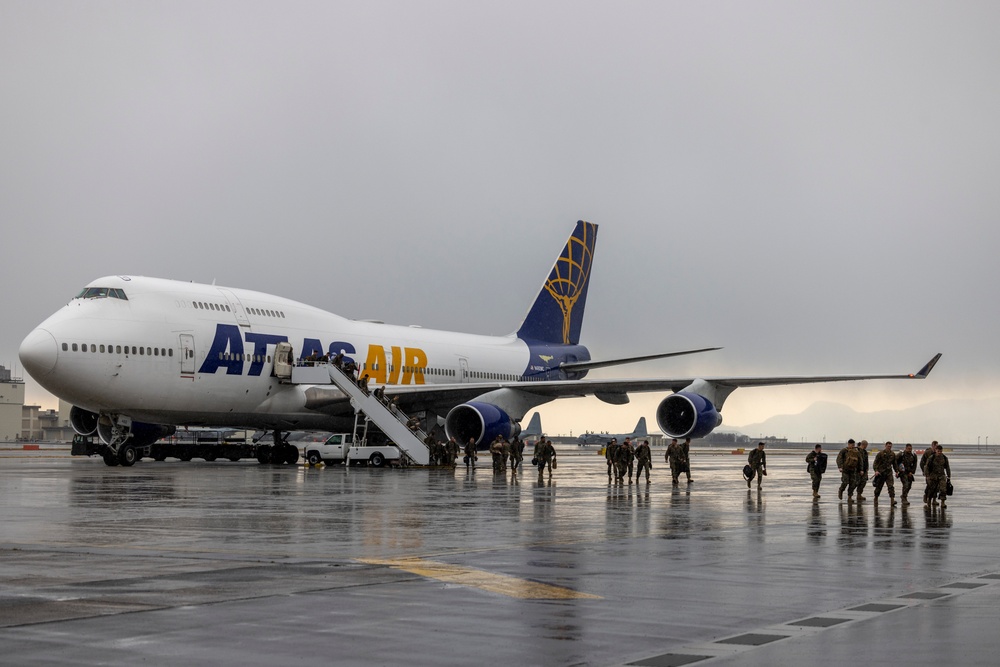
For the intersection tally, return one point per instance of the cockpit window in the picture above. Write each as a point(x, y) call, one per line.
point(102, 293)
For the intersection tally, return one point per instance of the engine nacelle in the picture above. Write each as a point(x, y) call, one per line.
point(480, 421)
point(140, 435)
point(83, 421)
point(687, 415)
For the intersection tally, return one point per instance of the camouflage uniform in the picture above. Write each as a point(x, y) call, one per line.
point(611, 455)
point(849, 464)
point(546, 453)
point(885, 465)
point(645, 458)
point(496, 451)
point(625, 456)
point(453, 451)
point(815, 474)
point(863, 472)
point(923, 469)
point(686, 457)
point(758, 462)
point(938, 473)
point(470, 453)
point(675, 457)
point(504, 454)
point(516, 449)
point(906, 463)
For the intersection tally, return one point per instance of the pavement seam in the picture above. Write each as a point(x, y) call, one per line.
point(727, 647)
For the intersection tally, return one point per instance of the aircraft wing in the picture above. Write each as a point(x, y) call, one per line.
point(443, 397)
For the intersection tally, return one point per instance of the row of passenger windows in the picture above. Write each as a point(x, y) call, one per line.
point(221, 307)
point(230, 356)
point(118, 349)
point(503, 377)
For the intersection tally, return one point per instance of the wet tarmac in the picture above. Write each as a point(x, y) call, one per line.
point(236, 563)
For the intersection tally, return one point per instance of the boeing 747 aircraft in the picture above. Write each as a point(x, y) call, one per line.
point(139, 356)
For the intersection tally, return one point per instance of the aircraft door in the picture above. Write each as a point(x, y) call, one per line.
point(237, 307)
point(463, 369)
point(187, 356)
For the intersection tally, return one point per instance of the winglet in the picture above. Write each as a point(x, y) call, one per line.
point(926, 370)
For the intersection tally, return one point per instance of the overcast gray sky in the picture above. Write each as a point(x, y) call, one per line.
point(812, 186)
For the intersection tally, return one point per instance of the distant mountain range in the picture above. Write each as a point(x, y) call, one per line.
point(955, 421)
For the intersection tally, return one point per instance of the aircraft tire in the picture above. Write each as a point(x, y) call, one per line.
point(127, 455)
point(209, 457)
point(264, 455)
point(291, 454)
point(109, 459)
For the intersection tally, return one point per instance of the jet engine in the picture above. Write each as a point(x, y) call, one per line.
point(687, 415)
point(83, 421)
point(480, 421)
point(141, 434)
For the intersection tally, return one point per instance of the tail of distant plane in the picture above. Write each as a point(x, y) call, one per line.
point(556, 316)
point(534, 427)
point(640, 428)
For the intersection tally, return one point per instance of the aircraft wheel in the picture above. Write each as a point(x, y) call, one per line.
point(127, 456)
point(109, 459)
point(291, 454)
point(234, 459)
point(210, 457)
point(264, 455)
point(160, 457)
point(314, 458)
point(377, 460)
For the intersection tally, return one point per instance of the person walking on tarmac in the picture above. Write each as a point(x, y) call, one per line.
point(885, 467)
point(686, 457)
point(906, 462)
point(625, 456)
point(849, 465)
point(546, 455)
point(816, 466)
point(470, 453)
point(673, 456)
point(938, 475)
point(928, 453)
point(758, 463)
point(611, 455)
point(645, 458)
point(863, 472)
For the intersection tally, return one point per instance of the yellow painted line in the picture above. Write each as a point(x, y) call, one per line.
point(487, 581)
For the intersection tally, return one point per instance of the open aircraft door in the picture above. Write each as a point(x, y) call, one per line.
point(284, 359)
point(187, 356)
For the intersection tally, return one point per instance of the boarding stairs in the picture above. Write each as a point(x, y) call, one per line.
point(392, 421)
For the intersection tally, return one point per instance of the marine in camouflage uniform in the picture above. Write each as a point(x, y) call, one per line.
point(906, 463)
point(496, 451)
point(453, 452)
point(626, 454)
point(686, 457)
point(611, 455)
point(645, 458)
point(674, 457)
point(546, 454)
point(849, 465)
point(938, 474)
point(923, 469)
point(758, 463)
point(885, 466)
point(470, 453)
point(816, 461)
point(863, 472)
point(516, 454)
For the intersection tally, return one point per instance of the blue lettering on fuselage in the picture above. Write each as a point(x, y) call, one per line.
point(227, 350)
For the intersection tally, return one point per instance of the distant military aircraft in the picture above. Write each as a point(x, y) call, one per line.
point(604, 438)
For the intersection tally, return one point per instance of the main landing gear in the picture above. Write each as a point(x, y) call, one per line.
point(280, 452)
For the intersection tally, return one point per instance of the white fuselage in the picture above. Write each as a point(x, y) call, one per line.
point(184, 353)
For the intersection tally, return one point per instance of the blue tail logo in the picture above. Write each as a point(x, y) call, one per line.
point(556, 316)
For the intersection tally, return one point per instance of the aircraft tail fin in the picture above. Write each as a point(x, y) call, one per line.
point(556, 316)
point(640, 428)
point(534, 426)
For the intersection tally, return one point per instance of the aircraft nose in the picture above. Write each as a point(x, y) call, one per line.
point(38, 353)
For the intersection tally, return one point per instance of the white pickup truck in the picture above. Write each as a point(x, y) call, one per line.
point(340, 448)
